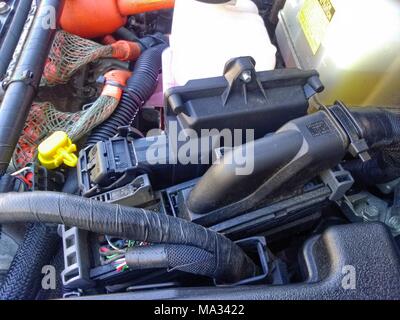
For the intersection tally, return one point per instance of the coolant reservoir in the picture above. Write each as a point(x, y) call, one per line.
point(353, 44)
point(205, 36)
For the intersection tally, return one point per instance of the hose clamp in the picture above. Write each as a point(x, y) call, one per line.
point(358, 146)
point(103, 80)
point(27, 77)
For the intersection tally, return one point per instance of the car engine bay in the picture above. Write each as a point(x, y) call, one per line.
point(199, 149)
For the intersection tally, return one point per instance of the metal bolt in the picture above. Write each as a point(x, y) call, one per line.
point(370, 212)
point(4, 7)
point(28, 74)
point(246, 76)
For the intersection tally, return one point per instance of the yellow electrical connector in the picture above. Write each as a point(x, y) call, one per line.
point(56, 150)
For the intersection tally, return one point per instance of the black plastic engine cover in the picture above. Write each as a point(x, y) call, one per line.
point(265, 103)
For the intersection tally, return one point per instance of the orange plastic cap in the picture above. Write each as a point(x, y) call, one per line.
point(97, 18)
point(91, 18)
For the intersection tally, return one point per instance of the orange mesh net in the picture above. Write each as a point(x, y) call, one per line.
point(44, 119)
point(69, 53)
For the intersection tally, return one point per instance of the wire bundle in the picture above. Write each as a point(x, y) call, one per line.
point(113, 252)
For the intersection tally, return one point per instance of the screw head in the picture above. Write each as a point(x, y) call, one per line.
point(246, 76)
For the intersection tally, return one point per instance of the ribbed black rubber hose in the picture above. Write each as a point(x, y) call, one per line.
point(381, 130)
point(230, 263)
point(138, 90)
point(380, 126)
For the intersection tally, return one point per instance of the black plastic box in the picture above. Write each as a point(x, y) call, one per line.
point(265, 103)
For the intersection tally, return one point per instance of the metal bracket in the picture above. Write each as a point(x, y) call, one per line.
point(25, 77)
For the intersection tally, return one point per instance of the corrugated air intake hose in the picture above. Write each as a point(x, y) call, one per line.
point(381, 130)
point(140, 86)
point(229, 263)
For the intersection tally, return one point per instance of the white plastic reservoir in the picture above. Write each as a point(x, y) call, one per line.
point(353, 44)
point(205, 36)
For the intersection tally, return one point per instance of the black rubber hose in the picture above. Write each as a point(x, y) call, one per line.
point(380, 126)
point(126, 34)
point(231, 263)
point(381, 130)
point(145, 42)
point(138, 90)
point(369, 173)
point(11, 38)
point(21, 91)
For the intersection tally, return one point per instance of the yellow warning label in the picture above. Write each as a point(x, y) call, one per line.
point(314, 18)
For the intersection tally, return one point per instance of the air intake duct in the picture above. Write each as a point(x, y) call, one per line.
point(297, 153)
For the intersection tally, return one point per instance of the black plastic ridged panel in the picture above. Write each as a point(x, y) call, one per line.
point(76, 259)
